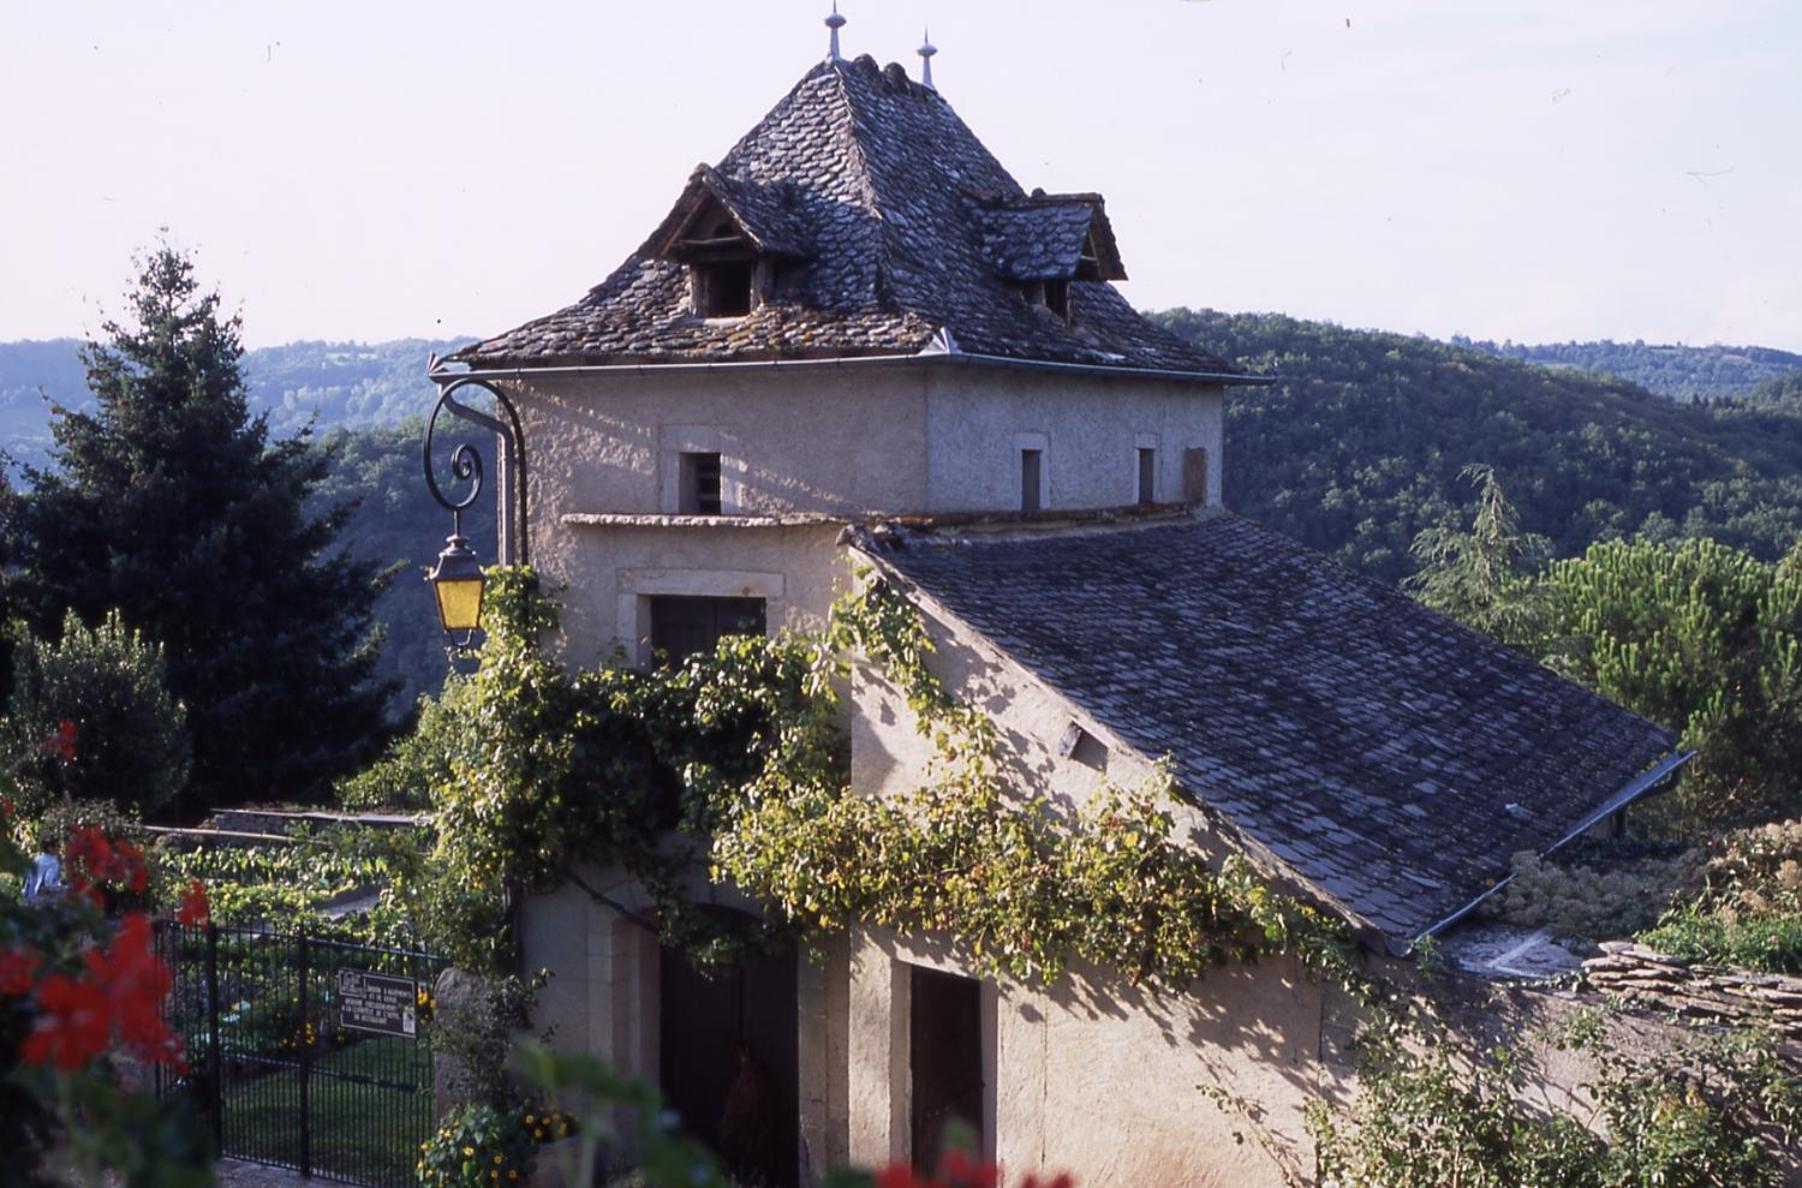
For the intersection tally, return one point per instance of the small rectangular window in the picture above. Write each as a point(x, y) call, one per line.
point(1030, 465)
point(700, 484)
point(1148, 475)
point(682, 626)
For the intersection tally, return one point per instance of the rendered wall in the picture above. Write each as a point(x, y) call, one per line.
point(1091, 1075)
point(1090, 428)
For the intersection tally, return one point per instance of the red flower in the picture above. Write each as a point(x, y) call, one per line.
point(62, 743)
point(17, 968)
point(193, 910)
point(960, 1170)
point(72, 1027)
point(94, 860)
point(120, 995)
point(897, 1175)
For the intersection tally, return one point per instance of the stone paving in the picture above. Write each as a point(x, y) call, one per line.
point(233, 1173)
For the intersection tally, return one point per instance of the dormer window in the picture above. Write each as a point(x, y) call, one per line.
point(723, 290)
point(722, 268)
point(1053, 294)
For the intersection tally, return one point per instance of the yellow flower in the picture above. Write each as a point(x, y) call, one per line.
point(528, 1119)
point(468, 1151)
point(497, 1158)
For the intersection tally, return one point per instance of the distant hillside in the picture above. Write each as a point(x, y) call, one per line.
point(1359, 446)
point(345, 385)
point(1678, 372)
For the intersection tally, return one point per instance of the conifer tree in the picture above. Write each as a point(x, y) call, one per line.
point(170, 503)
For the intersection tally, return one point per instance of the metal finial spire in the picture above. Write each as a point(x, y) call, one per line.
point(927, 49)
point(835, 22)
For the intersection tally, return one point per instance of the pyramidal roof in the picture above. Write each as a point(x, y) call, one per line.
point(889, 230)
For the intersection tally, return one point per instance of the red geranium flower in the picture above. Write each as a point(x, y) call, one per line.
point(62, 743)
point(193, 911)
point(120, 995)
point(17, 968)
point(72, 1026)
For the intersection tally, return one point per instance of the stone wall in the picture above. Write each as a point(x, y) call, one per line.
point(1648, 979)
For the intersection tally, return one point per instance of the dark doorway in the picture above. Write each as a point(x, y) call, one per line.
point(728, 1058)
point(945, 1055)
point(682, 626)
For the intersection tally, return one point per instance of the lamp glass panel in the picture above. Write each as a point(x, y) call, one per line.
point(459, 603)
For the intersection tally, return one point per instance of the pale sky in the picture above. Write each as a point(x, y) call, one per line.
point(1541, 169)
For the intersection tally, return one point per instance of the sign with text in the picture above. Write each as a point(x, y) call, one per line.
point(382, 1003)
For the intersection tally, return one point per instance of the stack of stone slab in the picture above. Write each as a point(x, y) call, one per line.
point(1648, 978)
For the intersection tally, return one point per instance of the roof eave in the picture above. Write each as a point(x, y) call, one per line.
point(1636, 789)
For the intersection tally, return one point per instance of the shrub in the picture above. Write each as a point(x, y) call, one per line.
point(1742, 903)
point(92, 719)
point(1696, 1114)
point(477, 1146)
point(416, 762)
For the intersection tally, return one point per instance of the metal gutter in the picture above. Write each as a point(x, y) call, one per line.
point(442, 374)
point(1634, 790)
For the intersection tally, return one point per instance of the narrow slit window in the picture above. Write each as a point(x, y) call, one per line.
point(700, 484)
point(1148, 475)
point(1031, 466)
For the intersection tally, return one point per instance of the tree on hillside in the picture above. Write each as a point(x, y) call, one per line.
point(170, 503)
point(1484, 577)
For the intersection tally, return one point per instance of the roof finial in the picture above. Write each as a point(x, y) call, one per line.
point(927, 49)
point(835, 22)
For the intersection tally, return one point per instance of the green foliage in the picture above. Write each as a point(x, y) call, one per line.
point(295, 884)
point(479, 1032)
point(109, 685)
point(732, 758)
point(170, 503)
point(477, 1146)
point(1705, 639)
point(1360, 445)
point(1712, 1112)
point(1484, 577)
point(1024, 886)
point(1741, 903)
point(416, 762)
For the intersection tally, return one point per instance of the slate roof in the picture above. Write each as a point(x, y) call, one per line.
point(900, 233)
point(1386, 756)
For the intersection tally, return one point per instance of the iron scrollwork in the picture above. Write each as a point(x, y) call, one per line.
point(466, 463)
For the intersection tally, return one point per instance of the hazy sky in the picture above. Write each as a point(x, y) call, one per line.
point(1539, 169)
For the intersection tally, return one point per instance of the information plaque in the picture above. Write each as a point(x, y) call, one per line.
point(382, 1003)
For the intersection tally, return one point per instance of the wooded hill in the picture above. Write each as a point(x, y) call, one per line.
point(1359, 445)
point(1680, 372)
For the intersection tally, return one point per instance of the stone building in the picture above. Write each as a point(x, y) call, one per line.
point(858, 339)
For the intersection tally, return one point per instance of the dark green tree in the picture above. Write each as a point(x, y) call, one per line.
point(171, 503)
point(1484, 577)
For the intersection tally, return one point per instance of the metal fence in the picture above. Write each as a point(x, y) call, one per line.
point(305, 1052)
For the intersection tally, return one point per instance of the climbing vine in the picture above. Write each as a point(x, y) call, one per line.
point(731, 759)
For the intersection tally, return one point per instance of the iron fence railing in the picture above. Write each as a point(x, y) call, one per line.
point(305, 1052)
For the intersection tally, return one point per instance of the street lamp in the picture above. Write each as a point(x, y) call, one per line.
point(457, 584)
point(457, 580)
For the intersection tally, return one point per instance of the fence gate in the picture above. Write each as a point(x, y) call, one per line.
point(306, 1053)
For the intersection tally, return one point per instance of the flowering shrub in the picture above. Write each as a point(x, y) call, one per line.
point(1582, 901)
point(81, 998)
point(477, 1146)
